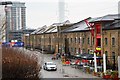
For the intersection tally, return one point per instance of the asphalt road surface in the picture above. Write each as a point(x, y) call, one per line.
point(62, 71)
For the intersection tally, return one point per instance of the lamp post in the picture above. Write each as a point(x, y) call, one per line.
point(43, 47)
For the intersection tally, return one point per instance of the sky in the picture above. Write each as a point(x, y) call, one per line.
point(46, 12)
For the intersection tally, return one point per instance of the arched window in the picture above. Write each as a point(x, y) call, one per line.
point(106, 41)
point(106, 53)
point(88, 40)
point(113, 41)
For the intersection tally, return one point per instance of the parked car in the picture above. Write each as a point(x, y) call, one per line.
point(50, 66)
point(78, 56)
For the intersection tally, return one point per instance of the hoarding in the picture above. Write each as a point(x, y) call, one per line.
point(18, 44)
point(13, 44)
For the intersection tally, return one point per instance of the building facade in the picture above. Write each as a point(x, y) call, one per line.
point(2, 24)
point(15, 19)
point(79, 38)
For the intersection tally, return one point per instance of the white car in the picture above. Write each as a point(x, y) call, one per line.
point(50, 66)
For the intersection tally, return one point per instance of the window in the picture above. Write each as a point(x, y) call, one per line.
point(88, 40)
point(71, 49)
point(79, 40)
point(79, 50)
point(113, 41)
point(71, 39)
point(83, 51)
point(75, 40)
point(75, 50)
point(99, 42)
point(88, 51)
point(67, 39)
point(106, 53)
point(106, 41)
point(39, 39)
point(113, 54)
point(83, 40)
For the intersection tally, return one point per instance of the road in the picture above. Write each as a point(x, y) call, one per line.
point(63, 71)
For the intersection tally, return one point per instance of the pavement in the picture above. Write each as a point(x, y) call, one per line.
point(70, 72)
point(62, 71)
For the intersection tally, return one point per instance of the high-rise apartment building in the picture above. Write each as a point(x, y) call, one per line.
point(2, 24)
point(15, 20)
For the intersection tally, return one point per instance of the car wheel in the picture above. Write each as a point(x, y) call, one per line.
point(44, 68)
point(55, 69)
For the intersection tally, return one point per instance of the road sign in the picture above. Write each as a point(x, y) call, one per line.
point(7, 44)
point(18, 44)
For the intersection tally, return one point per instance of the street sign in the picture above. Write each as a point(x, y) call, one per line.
point(13, 44)
point(7, 44)
point(98, 49)
point(18, 44)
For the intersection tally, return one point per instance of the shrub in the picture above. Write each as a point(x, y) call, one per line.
point(18, 64)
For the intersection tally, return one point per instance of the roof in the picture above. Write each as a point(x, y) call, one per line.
point(114, 25)
point(39, 30)
point(109, 17)
point(51, 29)
point(79, 26)
point(54, 27)
point(61, 24)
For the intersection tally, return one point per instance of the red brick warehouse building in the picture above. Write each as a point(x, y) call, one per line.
point(103, 36)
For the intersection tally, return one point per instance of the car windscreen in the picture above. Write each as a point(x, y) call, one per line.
point(50, 64)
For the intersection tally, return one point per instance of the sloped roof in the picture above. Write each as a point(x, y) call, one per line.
point(79, 26)
point(61, 24)
point(114, 25)
point(42, 30)
point(39, 30)
point(109, 17)
point(53, 27)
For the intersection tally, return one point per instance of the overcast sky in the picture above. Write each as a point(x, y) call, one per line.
point(45, 12)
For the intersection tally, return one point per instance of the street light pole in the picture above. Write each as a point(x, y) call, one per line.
point(43, 47)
